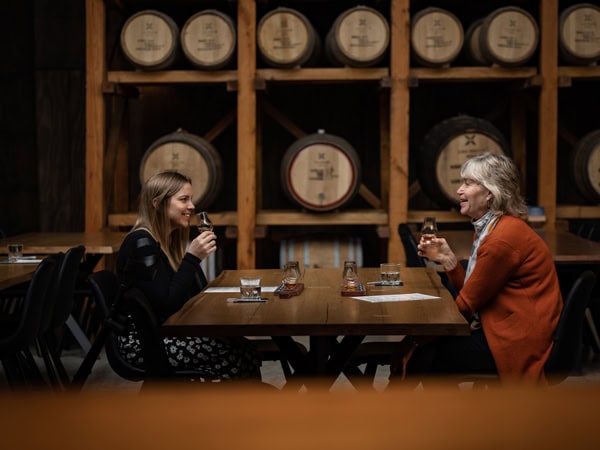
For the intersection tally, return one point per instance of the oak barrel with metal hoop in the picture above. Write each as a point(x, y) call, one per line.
point(150, 40)
point(359, 37)
point(208, 39)
point(585, 166)
point(509, 36)
point(472, 45)
point(320, 172)
point(446, 147)
point(190, 155)
point(579, 34)
point(312, 252)
point(436, 37)
point(286, 39)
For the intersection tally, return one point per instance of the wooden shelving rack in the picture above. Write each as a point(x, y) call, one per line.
point(106, 166)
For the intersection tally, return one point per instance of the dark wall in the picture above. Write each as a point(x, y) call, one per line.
point(42, 109)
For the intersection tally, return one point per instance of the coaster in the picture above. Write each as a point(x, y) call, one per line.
point(360, 290)
point(284, 292)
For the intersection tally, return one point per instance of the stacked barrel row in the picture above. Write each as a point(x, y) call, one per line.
point(151, 40)
point(507, 36)
point(359, 37)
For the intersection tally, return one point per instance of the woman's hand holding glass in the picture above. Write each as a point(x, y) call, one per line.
point(203, 245)
point(437, 250)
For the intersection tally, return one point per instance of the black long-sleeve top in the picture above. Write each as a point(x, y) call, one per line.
point(166, 289)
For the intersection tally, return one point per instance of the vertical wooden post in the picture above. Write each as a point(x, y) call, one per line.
point(548, 110)
point(95, 120)
point(399, 124)
point(246, 135)
point(518, 135)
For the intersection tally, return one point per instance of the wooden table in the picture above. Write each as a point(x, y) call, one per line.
point(322, 313)
point(97, 245)
point(565, 247)
point(13, 274)
point(44, 243)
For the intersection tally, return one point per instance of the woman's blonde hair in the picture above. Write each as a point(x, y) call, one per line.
point(499, 175)
point(153, 214)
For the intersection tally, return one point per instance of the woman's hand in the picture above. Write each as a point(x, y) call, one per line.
point(204, 244)
point(438, 250)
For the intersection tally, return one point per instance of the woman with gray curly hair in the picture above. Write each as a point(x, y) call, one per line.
point(509, 290)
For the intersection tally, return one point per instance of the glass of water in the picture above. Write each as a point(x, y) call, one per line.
point(250, 287)
point(390, 273)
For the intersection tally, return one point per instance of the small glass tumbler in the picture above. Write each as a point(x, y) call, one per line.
point(15, 251)
point(250, 287)
point(390, 273)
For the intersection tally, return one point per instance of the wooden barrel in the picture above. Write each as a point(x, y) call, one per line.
point(150, 40)
point(286, 39)
point(509, 36)
point(320, 172)
point(585, 166)
point(322, 252)
point(359, 37)
point(190, 155)
point(208, 39)
point(436, 37)
point(446, 147)
point(472, 47)
point(579, 34)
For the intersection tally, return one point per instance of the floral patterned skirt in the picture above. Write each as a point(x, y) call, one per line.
point(213, 358)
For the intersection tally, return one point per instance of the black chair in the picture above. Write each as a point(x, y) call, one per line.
point(566, 354)
point(410, 247)
point(49, 342)
point(123, 308)
point(19, 329)
point(147, 326)
point(105, 289)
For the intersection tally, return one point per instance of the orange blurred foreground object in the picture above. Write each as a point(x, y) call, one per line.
point(256, 417)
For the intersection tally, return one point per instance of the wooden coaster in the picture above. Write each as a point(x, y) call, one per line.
point(284, 292)
point(360, 290)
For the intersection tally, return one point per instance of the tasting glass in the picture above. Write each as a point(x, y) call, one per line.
point(291, 274)
point(350, 280)
point(204, 223)
point(429, 229)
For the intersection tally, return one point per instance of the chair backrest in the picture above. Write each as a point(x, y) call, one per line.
point(105, 288)
point(410, 247)
point(147, 327)
point(67, 278)
point(33, 306)
point(566, 352)
point(50, 295)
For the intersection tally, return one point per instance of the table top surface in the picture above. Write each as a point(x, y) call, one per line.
point(564, 246)
point(320, 310)
point(12, 274)
point(101, 242)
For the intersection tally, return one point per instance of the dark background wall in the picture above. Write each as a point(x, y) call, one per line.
point(42, 109)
